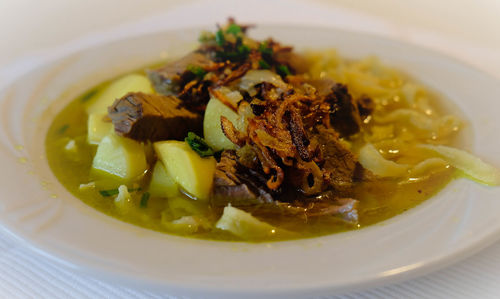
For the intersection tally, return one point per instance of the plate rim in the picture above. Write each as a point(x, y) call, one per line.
point(422, 269)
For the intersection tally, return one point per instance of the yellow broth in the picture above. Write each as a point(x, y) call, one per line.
point(379, 200)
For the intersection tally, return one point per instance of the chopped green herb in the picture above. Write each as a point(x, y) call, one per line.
point(243, 50)
point(87, 96)
point(198, 71)
point(144, 199)
point(266, 51)
point(199, 145)
point(233, 29)
point(264, 65)
point(283, 70)
point(107, 193)
point(240, 54)
point(63, 129)
point(111, 192)
point(219, 38)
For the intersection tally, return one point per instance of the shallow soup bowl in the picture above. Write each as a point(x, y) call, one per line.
point(36, 208)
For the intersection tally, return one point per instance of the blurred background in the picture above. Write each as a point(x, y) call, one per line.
point(462, 28)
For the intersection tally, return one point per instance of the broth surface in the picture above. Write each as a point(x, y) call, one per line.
point(378, 200)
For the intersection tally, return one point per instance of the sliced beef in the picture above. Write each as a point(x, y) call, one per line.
point(142, 117)
point(182, 78)
point(327, 204)
point(238, 185)
point(340, 165)
point(345, 113)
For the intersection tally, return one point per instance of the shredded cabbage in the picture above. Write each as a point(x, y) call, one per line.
point(415, 118)
point(426, 166)
point(470, 165)
point(371, 159)
point(438, 127)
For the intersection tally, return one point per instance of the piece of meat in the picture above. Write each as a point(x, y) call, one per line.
point(345, 208)
point(339, 165)
point(237, 185)
point(345, 115)
point(142, 117)
point(171, 78)
point(185, 78)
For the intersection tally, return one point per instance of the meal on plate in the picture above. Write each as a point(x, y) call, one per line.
point(249, 140)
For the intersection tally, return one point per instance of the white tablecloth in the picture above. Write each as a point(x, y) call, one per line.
point(466, 30)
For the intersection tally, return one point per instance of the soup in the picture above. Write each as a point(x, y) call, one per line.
point(249, 140)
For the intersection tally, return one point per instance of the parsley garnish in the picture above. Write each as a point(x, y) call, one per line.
point(233, 29)
point(266, 51)
point(198, 71)
point(283, 70)
point(264, 65)
point(63, 129)
point(199, 145)
point(144, 199)
point(219, 38)
point(240, 54)
point(111, 192)
point(88, 95)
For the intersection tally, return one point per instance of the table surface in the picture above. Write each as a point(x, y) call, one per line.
point(467, 30)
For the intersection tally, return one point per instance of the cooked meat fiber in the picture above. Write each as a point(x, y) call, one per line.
point(142, 117)
point(345, 113)
point(339, 165)
point(168, 79)
point(345, 116)
point(184, 78)
point(245, 188)
point(237, 184)
point(327, 204)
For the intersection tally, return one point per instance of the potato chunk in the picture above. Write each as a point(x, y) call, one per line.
point(192, 172)
point(116, 90)
point(162, 183)
point(97, 128)
point(119, 158)
point(212, 130)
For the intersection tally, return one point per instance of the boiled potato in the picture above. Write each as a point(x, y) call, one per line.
point(119, 159)
point(97, 128)
point(244, 225)
point(116, 90)
point(212, 130)
point(192, 172)
point(162, 183)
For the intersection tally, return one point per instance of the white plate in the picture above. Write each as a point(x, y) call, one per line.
point(460, 220)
